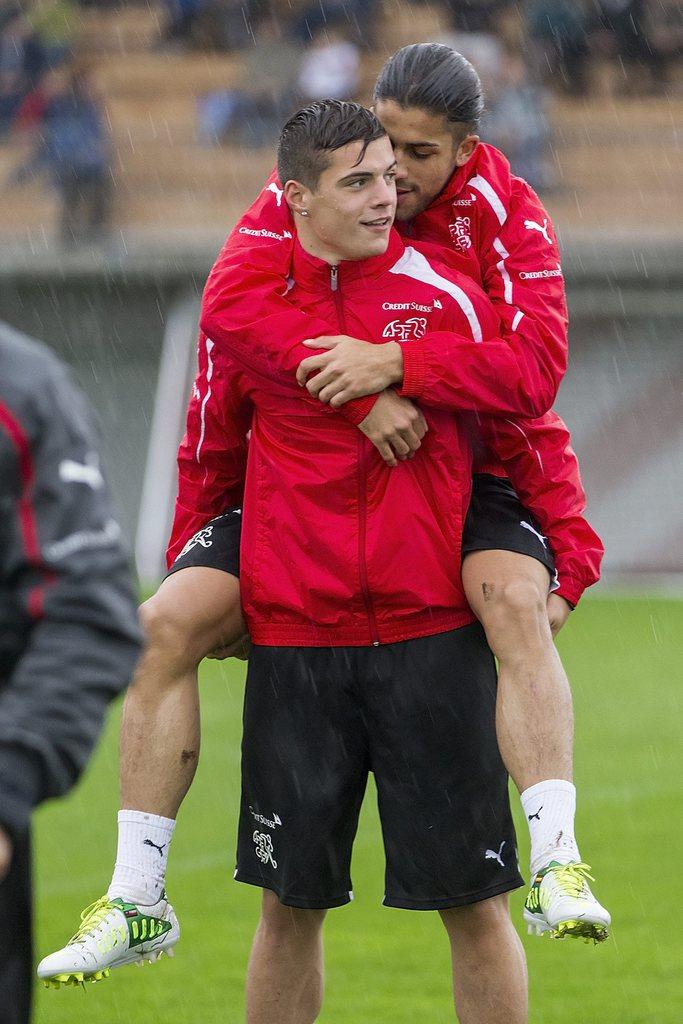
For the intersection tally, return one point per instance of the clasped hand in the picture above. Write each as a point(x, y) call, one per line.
point(349, 368)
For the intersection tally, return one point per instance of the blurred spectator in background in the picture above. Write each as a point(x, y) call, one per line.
point(645, 37)
point(8, 10)
point(357, 18)
point(476, 16)
point(14, 81)
point(331, 67)
point(558, 33)
point(69, 637)
point(664, 26)
point(73, 147)
point(515, 122)
point(229, 25)
point(484, 50)
point(624, 22)
point(478, 31)
point(54, 25)
point(252, 114)
point(182, 17)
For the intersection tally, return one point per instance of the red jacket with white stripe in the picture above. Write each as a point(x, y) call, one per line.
point(338, 548)
point(516, 373)
point(212, 458)
point(520, 372)
point(497, 223)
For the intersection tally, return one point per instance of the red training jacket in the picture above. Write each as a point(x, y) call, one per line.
point(245, 304)
point(352, 571)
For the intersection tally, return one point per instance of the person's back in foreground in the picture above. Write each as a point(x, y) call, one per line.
point(69, 636)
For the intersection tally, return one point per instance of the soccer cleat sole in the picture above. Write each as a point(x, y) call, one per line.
point(571, 929)
point(75, 978)
point(586, 930)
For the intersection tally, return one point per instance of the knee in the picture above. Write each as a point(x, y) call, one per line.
point(283, 924)
point(513, 608)
point(478, 921)
point(167, 632)
point(521, 600)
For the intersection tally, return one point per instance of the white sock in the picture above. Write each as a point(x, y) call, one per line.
point(549, 808)
point(141, 857)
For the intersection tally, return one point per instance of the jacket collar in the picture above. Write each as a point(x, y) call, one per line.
point(315, 274)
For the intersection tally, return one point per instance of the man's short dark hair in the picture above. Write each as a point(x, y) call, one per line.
point(435, 78)
point(314, 132)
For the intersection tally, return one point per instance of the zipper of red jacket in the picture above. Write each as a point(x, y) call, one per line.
point(362, 482)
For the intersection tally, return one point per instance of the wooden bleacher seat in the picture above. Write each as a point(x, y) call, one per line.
point(616, 160)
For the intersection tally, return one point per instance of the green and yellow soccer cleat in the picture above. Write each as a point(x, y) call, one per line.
point(112, 933)
point(560, 902)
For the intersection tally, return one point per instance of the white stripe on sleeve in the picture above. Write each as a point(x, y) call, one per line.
point(414, 264)
point(517, 317)
point(507, 283)
point(490, 194)
point(207, 396)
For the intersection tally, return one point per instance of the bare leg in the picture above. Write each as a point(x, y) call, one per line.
point(534, 717)
point(285, 974)
point(194, 611)
point(489, 969)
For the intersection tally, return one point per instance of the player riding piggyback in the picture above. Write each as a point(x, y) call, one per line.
point(488, 224)
point(264, 307)
point(460, 195)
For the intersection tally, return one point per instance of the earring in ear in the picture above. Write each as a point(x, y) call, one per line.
point(304, 213)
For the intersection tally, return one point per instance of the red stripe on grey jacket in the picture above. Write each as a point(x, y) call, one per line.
point(27, 518)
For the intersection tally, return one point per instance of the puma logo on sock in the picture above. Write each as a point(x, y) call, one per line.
point(537, 815)
point(148, 842)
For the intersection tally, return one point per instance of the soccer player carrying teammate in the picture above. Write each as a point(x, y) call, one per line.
point(365, 655)
point(198, 609)
point(460, 195)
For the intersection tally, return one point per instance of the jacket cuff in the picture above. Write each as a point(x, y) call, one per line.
point(414, 370)
point(358, 408)
point(21, 787)
point(571, 588)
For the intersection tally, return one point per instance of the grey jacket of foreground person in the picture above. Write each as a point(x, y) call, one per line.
point(69, 635)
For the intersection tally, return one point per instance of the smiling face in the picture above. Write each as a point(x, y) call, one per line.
point(428, 150)
point(349, 213)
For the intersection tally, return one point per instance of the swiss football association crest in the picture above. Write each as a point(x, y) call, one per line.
point(264, 848)
point(460, 233)
point(203, 537)
point(404, 330)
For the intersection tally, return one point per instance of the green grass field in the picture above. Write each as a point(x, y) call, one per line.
point(624, 658)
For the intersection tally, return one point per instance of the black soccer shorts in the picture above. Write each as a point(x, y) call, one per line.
point(215, 546)
point(420, 715)
point(497, 520)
